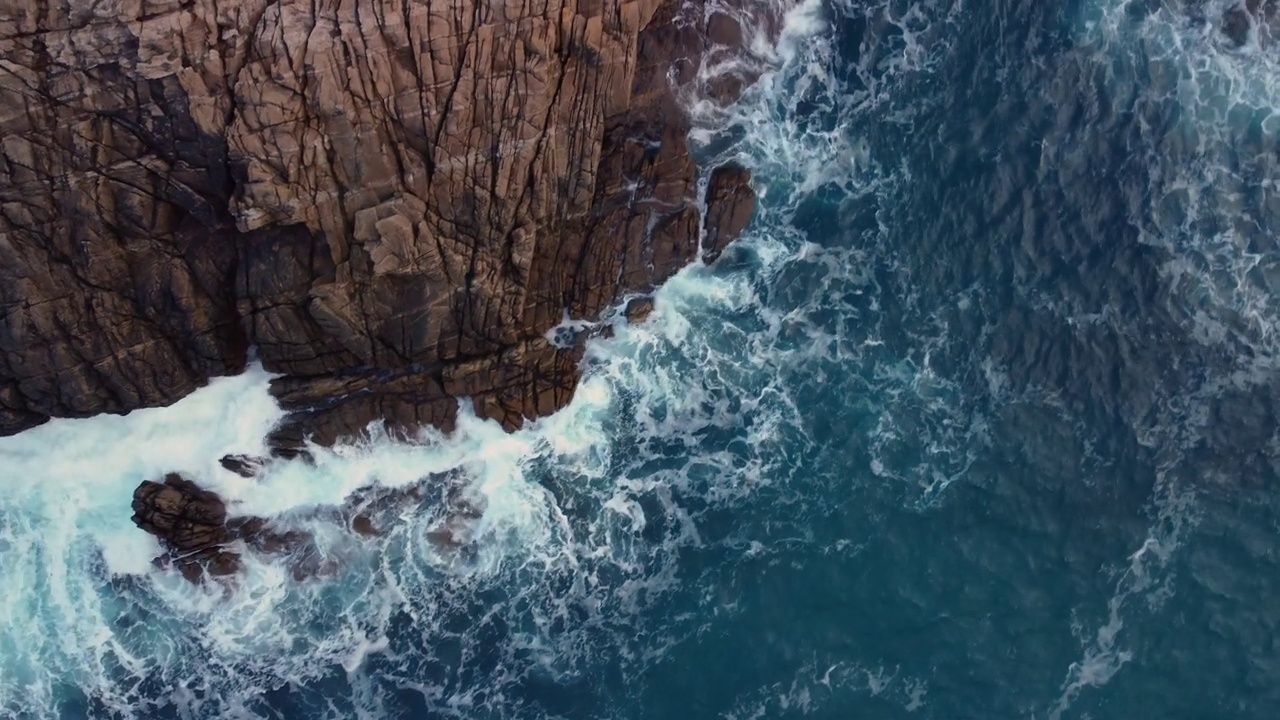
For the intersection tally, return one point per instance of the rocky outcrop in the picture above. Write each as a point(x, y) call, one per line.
point(190, 520)
point(388, 202)
point(202, 540)
point(199, 540)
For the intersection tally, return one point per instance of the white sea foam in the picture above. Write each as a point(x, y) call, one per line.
point(1210, 168)
point(1144, 581)
point(814, 688)
point(64, 510)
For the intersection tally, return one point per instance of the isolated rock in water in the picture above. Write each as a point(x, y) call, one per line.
point(184, 516)
point(192, 524)
point(243, 465)
point(182, 181)
point(201, 541)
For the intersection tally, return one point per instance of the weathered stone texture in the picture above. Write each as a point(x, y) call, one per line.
point(389, 201)
point(192, 525)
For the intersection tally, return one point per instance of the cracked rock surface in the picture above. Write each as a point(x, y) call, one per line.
point(389, 202)
point(200, 541)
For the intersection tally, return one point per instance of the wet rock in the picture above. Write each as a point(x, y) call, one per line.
point(1245, 20)
point(220, 564)
point(363, 525)
point(723, 29)
point(185, 517)
point(190, 522)
point(639, 309)
point(258, 534)
point(1236, 24)
point(731, 203)
point(243, 465)
point(457, 530)
point(202, 543)
point(197, 569)
point(452, 534)
point(372, 509)
point(199, 539)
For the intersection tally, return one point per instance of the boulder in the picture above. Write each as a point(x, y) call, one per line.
point(731, 203)
point(245, 466)
point(199, 539)
point(638, 309)
point(186, 518)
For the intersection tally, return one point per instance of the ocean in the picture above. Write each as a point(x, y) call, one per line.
point(979, 420)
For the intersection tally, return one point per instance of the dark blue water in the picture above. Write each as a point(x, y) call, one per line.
point(979, 421)
point(1031, 361)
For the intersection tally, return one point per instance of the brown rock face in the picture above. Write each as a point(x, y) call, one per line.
point(391, 201)
point(190, 522)
point(188, 518)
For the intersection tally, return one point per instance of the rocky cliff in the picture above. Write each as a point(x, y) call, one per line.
point(388, 202)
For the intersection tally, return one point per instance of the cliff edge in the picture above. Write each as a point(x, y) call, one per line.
point(388, 202)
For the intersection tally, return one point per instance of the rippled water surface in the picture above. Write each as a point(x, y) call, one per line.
point(978, 421)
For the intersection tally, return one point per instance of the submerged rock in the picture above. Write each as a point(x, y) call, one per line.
point(1239, 23)
point(371, 510)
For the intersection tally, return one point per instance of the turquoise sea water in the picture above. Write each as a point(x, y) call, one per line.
point(978, 421)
